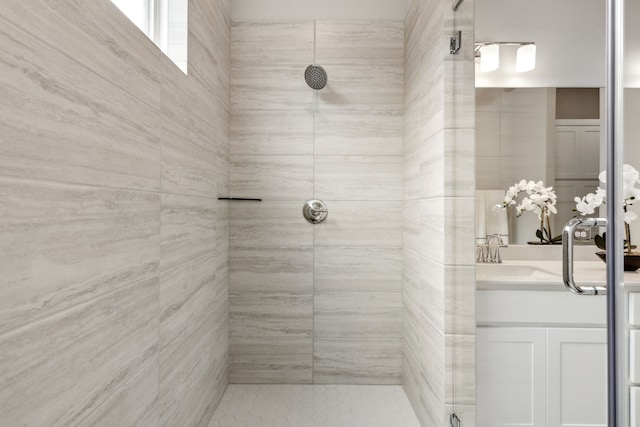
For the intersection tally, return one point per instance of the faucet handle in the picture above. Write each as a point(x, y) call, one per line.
point(494, 250)
point(482, 250)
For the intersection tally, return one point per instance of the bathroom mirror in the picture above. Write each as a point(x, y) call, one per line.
point(540, 134)
point(542, 124)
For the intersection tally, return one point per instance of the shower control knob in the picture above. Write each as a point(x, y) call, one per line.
point(315, 211)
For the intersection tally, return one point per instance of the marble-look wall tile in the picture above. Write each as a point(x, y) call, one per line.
point(190, 367)
point(411, 330)
point(459, 232)
point(88, 365)
point(411, 380)
point(48, 230)
point(187, 162)
point(272, 42)
point(460, 300)
point(358, 177)
point(272, 132)
point(360, 42)
point(431, 115)
point(450, 217)
point(439, 181)
point(209, 46)
point(222, 240)
point(357, 314)
point(270, 87)
point(271, 360)
point(460, 387)
point(413, 275)
point(443, 294)
point(271, 315)
point(425, 169)
point(459, 153)
point(351, 134)
point(188, 228)
point(186, 297)
point(110, 338)
point(459, 93)
point(273, 178)
point(215, 36)
point(269, 224)
point(357, 361)
point(362, 87)
point(433, 368)
point(74, 126)
point(374, 223)
point(184, 103)
point(362, 133)
point(351, 269)
point(97, 35)
point(433, 405)
point(287, 269)
point(411, 225)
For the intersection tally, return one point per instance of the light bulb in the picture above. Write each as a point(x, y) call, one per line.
point(489, 58)
point(526, 58)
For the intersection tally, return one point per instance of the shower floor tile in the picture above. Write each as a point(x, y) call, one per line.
point(314, 406)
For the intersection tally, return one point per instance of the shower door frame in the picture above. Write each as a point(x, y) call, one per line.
point(617, 407)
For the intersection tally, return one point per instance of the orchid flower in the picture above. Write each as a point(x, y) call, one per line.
point(630, 177)
point(540, 200)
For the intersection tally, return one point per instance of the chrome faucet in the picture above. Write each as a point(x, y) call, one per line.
point(493, 255)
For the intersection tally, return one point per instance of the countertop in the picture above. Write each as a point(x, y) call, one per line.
point(543, 275)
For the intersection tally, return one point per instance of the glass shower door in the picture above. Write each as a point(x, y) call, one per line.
point(558, 359)
point(618, 186)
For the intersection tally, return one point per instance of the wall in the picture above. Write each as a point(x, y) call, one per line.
point(113, 295)
point(438, 243)
point(570, 52)
point(252, 10)
point(316, 303)
point(515, 141)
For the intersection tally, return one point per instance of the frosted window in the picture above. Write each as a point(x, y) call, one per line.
point(165, 22)
point(139, 12)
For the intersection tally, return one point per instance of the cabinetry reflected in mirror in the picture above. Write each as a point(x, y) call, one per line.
point(540, 134)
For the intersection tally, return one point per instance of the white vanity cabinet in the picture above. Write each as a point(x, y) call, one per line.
point(541, 359)
point(634, 357)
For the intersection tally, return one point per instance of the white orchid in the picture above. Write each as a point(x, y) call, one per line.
point(630, 177)
point(540, 200)
point(588, 204)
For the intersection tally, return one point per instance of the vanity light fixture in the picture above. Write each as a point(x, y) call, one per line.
point(526, 58)
point(489, 57)
point(487, 54)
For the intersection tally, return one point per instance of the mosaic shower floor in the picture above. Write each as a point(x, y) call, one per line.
point(314, 406)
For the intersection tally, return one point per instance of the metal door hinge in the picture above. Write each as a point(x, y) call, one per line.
point(455, 43)
point(455, 420)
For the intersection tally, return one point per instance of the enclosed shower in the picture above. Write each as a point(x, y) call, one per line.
point(277, 232)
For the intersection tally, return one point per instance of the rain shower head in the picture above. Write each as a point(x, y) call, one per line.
point(316, 77)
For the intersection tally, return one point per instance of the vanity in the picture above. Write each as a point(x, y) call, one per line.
point(541, 350)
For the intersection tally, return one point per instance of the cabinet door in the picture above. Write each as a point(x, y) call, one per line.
point(510, 366)
point(577, 377)
point(577, 153)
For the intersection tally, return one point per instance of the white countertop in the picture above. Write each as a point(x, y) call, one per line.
point(543, 275)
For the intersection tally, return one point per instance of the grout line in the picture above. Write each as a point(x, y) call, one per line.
point(313, 295)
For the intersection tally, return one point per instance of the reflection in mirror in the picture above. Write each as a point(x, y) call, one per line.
point(540, 134)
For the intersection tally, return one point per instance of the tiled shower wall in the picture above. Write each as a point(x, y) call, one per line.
point(113, 247)
point(438, 247)
point(316, 303)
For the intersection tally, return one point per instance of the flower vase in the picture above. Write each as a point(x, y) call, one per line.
point(631, 261)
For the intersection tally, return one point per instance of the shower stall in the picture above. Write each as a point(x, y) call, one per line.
point(156, 259)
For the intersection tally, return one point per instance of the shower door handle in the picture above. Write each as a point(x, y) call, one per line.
point(567, 256)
